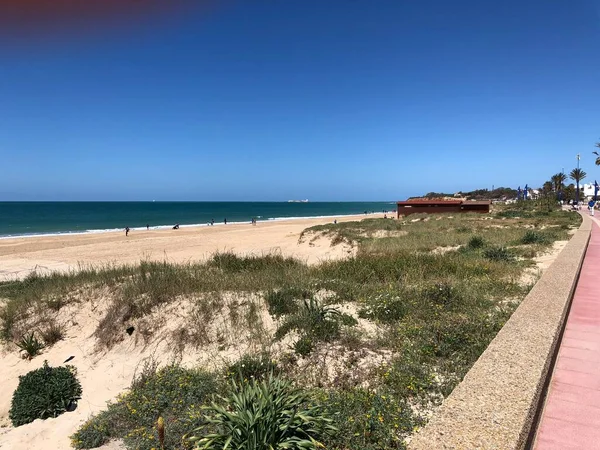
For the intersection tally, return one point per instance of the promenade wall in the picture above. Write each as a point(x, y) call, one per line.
point(496, 404)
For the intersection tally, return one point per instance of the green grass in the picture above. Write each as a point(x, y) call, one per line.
point(434, 312)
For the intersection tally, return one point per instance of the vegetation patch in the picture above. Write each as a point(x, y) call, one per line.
point(43, 393)
point(174, 393)
point(262, 415)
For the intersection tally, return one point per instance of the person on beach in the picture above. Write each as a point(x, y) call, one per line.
point(176, 227)
point(225, 221)
point(212, 222)
point(126, 231)
point(147, 227)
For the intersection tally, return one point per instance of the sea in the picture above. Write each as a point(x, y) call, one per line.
point(19, 219)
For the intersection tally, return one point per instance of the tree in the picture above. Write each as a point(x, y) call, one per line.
point(569, 192)
point(558, 180)
point(577, 175)
point(547, 187)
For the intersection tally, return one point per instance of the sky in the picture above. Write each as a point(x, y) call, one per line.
point(276, 100)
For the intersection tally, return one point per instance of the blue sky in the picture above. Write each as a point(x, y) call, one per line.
point(326, 100)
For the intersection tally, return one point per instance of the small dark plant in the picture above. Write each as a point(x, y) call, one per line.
point(285, 301)
point(30, 344)
point(43, 393)
point(267, 414)
point(476, 242)
point(303, 346)
point(52, 334)
point(498, 254)
point(442, 294)
point(533, 237)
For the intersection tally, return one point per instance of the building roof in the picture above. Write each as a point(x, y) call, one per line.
point(478, 202)
point(430, 202)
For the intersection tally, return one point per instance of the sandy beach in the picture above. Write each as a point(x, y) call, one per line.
point(20, 256)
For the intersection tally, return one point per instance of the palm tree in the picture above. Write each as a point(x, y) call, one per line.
point(597, 154)
point(577, 175)
point(558, 180)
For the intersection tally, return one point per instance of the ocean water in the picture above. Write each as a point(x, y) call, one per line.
point(36, 218)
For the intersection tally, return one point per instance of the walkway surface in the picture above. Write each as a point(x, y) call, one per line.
point(571, 415)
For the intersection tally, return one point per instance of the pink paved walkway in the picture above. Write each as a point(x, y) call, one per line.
point(571, 416)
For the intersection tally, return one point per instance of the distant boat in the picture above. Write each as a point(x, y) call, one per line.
point(298, 201)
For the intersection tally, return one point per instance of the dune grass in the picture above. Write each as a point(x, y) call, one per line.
point(436, 288)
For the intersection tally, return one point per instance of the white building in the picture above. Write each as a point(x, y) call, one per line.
point(588, 190)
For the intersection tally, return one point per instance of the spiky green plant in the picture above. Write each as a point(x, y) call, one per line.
point(264, 415)
point(30, 344)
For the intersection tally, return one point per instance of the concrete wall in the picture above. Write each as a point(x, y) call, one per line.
point(495, 405)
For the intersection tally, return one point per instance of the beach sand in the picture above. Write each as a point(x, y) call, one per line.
point(20, 256)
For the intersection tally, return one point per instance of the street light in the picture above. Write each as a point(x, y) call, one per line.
point(577, 192)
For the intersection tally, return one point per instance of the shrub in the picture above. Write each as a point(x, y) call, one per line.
point(285, 300)
point(316, 322)
point(442, 294)
point(253, 367)
point(267, 414)
point(173, 393)
point(304, 346)
point(44, 392)
point(30, 344)
point(367, 420)
point(533, 237)
point(385, 307)
point(52, 334)
point(476, 242)
point(498, 254)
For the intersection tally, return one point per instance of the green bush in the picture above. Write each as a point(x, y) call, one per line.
point(30, 344)
point(262, 415)
point(498, 254)
point(442, 294)
point(367, 420)
point(285, 300)
point(43, 393)
point(533, 237)
point(476, 242)
point(386, 307)
point(253, 367)
point(174, 393)
point(304, 346)
point(316, 323)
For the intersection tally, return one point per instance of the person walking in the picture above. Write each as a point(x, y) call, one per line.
point(126, 231)
point(591, 206)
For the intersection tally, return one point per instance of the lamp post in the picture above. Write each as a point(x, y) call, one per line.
point(577, 192)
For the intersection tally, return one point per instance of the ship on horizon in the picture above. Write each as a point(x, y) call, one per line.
point(298, 201)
